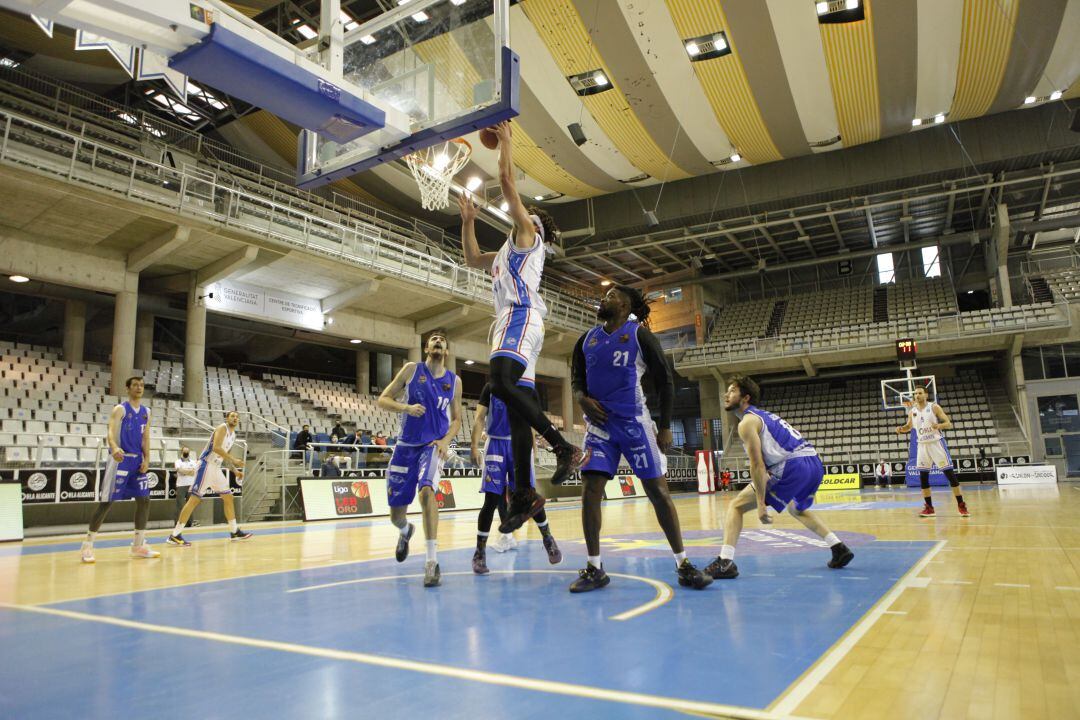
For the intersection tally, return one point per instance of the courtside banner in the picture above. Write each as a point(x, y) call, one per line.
point(1026, 474)
point(843, 481)
point(345, 497)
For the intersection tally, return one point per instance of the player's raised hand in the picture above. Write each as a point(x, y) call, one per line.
point(664, 439)
point(503, 131)
point(467, 206)
point(416, 410)
point(593, 410)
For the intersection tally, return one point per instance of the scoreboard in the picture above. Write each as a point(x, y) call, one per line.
point(905, 352)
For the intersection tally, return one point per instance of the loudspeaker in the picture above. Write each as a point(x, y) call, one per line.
point(577, 133)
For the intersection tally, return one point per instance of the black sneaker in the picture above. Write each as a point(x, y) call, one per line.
point(479, 562)
point(721, 569)
point(567, 459)
point(522, 507)
point(432, 576)
point(239, 535)
point(177, 540)
point(591, 578)
point(402, 551)
point(690, 576)
point(553, 552)
point(841, 556)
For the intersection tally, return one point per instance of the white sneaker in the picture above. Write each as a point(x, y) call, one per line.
point(88, 553)
point(143, 552)
point(504, 543)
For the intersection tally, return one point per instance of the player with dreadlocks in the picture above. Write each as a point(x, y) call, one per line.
point(610, 362)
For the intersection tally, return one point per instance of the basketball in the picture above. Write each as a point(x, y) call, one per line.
point(489, 138)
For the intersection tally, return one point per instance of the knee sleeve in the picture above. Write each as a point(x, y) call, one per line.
point(924, 479)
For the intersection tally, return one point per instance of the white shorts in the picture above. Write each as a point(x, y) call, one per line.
point(210, 478)
point(518, 333)
point(933, 454)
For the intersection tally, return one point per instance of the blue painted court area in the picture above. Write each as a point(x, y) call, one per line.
point(367, 640)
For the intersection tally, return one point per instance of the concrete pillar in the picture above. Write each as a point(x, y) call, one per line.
point(144, 340)
point(396, 361)
point(363, 371)
point(74, 330)
point(711, 408)
point(567, 403)
point(451, 362)
point(415, 354)
point(123, 345)
point(195, 349)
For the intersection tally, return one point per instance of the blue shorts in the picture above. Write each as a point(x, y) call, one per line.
point(799, 480)
point(499, 467)
point(411, 466)
point(122, 480)
point(632, 438)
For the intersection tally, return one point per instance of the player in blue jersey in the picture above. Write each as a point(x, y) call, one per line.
point(125, 474)
point(497, 463)
point(430, 404)
point(209, 477)
point(785, 472)
point(609, 365)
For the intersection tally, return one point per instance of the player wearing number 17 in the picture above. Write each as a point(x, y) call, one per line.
point(610, 362)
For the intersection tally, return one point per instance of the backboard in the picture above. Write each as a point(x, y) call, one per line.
point(897, 393)
point(439, 68)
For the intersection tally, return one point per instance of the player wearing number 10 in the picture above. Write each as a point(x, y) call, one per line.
point(608, 367)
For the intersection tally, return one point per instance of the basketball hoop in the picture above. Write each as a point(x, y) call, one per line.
point(434, 167)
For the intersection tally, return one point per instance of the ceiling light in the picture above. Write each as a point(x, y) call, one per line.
point(307, 32)
point(356, 341)
point(1056, 95)
point(605, 283)
point(1030, 99)
point(589, 82)
point(473, 183)
point(504, 206)
point(457, 2)
point(9, 62)
point(939, 118)
point(719, 43)
point(916, 122)
point(970, 292)
point(851, 4)
point(19, 278)
point(692, 49)
point(822, 8)
point(368, 39)
point(600, 79)
point(329, 320)
point(736, 157)
point(467, 362)
point(420, 16)
point(538, 197)
point(441, 160)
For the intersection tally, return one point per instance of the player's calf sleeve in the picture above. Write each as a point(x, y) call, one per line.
point(951, 476)
point(924, 479)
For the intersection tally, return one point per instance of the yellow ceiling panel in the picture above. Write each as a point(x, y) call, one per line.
point(563, 32)
point(852, 63)
point(985, 43)
point(724, 81)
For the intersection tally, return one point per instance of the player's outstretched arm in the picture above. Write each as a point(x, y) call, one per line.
point(524, 230)
point(470, 248)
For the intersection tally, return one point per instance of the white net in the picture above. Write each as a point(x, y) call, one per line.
point(434, 167)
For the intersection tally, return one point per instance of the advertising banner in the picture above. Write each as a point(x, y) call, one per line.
point(356, 496)
point(235, 298)
point(38, 486)
point(1026, 474)
point(78, 485)
point(844, 481)
point(705, 483)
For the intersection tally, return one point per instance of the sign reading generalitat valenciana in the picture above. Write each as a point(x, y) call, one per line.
point(235, 298)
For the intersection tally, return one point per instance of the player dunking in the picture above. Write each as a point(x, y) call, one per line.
point(125, 474)
point(431, 417)
point(609, 364)
point(209, 476)
point(495, 459)
point(928, 420)
point(785, 472)
point(518, 330)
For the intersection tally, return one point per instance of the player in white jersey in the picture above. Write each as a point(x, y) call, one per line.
point(785, 472)
point(928, 420)
point(210, 477)
point(517, 334)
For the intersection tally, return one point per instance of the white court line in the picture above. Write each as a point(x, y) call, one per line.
point(953, 582)
point(762, 574)
point(482, 676)
point(1016, 585)
point(813, 577)
point(853, 577)
point(894, 612)
point(664, 593)
point(1065, 587)
point(813, 677)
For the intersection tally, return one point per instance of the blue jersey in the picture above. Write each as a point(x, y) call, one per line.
point(779, 441)
point(614, 366)
point(132, 427)
point(436, 395)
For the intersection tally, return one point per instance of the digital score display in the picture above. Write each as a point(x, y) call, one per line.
point(905, 351)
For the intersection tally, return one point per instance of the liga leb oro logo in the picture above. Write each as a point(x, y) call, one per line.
point(444, 495)
point(352, 498)
point(593, 341)
point(445, 386)
point(423, 379)
point(626, 484)
point(624, 338)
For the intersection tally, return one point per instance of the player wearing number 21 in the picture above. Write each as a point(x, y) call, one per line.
point(610, 362)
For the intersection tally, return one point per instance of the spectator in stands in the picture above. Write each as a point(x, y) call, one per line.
point(380, 438)
point(881, 473)
point(300, 446)
point(338, 431)
point(365, 437)
point(185, 476)
point(725, 479)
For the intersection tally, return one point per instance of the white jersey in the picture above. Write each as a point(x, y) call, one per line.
point(921, 421)
point(208, 453)
point(515, 276)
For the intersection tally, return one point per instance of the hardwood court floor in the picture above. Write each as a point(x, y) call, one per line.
point(945, 617)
